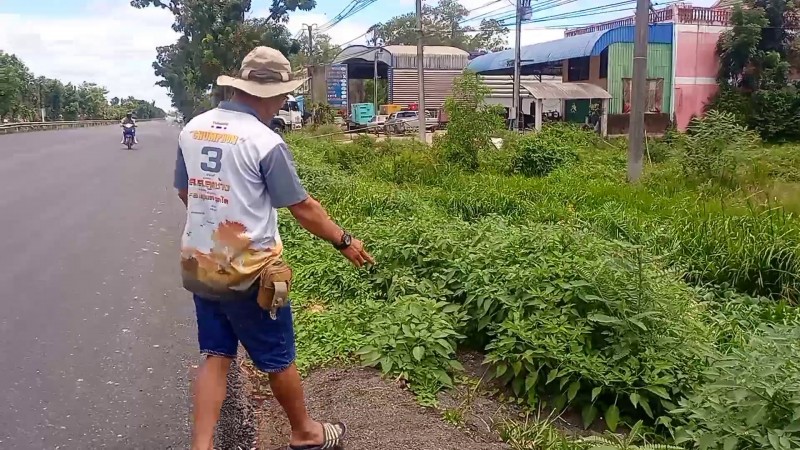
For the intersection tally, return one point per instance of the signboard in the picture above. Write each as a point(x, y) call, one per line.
point(337, 86)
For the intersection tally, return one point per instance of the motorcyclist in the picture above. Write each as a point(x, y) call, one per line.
point(125, 120)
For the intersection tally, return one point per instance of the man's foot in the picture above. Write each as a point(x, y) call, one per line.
point(322, 436)
point(135, 141)
point(122, 141)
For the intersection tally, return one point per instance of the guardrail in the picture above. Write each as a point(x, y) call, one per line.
point(22, 127)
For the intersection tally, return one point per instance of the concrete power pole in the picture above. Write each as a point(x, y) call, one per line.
point(310, 44)
point(421, 76)
point(517, 69)
point(638, 92)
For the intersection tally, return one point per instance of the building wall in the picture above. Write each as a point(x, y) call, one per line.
point(594, 73)
point(696, 70)
point(620, 66)
point(438, 86)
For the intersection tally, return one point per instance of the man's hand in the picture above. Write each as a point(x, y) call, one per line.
point(356, 254)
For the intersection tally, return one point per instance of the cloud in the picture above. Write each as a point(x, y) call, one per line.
point(111, 44)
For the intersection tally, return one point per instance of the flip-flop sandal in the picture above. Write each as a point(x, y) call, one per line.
point(333, 435)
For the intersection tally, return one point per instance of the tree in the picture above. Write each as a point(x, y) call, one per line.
point(280, 9)
point(761, 42)
point(443, 25)
point(22, 96)
point(15, 80)
point(756, 56)
point(215, 37)
point(323, 53)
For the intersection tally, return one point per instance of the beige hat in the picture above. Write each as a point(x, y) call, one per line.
point(265, 73)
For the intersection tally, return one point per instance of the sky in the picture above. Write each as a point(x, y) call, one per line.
point(110, 43)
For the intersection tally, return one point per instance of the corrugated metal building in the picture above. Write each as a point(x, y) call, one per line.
point(398, 64)
point(602, 58)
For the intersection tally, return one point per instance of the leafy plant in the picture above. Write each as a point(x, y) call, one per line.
point(751, 399)
point(715, 145)
point(472, 122)
point(416, 341)
point(541, 153)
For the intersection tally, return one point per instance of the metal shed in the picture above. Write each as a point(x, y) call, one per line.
point(441, 66)
point(568, 91)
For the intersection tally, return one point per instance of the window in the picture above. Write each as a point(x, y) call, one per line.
point(290, 106)
point(578, 69)
point(655, 95)
point(604, 64)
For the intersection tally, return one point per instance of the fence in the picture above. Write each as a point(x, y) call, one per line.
point(22, 127)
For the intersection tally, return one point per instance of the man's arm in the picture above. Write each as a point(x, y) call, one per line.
point(181, 179)
point(286, 191)
point(313, 217)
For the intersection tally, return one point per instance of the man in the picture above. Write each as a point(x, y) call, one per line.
point(232, 172)
point(129, 119)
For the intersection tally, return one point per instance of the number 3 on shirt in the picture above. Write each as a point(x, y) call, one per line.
point(214, 159)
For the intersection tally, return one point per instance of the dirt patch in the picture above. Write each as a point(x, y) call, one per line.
point(378, 413)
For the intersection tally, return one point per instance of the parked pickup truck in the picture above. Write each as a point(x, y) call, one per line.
point(403, 121)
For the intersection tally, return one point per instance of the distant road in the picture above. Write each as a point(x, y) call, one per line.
point(96, 336)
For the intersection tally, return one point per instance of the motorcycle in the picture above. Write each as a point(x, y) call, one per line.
point(128, 131)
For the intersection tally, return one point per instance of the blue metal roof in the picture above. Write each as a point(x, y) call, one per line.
point(589, 44)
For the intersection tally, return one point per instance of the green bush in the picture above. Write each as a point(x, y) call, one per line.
point(415, 339)
point(603, 330)
point(751, 399)
point(541, 153)
point(715, 147)
point(776, 113)
point(348, 156)
point(472, 123)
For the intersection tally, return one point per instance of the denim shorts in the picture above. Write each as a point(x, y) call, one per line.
point(221, 325)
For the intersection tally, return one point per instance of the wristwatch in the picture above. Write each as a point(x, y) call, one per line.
point(345, 242)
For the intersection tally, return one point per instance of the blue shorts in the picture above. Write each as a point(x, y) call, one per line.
point(221, 325)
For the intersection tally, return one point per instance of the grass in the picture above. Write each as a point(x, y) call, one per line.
point(593, 294)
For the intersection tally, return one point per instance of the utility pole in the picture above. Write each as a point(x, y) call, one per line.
point(638, 92)
point(517, 68)
point(375, 81)
point(310, 29)
point(421, 76)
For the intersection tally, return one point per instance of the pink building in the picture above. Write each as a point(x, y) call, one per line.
point(695, 63)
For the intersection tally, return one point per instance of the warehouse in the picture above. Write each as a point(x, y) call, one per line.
point(601, 59)
point(397, 66)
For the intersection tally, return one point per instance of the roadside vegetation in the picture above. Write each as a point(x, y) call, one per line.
point(665, 310)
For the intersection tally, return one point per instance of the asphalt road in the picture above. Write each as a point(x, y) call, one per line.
point(97, 338)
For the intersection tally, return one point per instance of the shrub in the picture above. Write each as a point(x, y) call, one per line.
point(348, 155)
point(731, 101)
point(602, 329)
point(752, 398)
point(560, 312)
point(410, 166)
point(776, 113)
point(715, 146)
point(472, 122)
point(416, 341)
point(365, 141)
point(541, 153)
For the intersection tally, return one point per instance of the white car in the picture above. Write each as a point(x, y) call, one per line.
point(403, 121)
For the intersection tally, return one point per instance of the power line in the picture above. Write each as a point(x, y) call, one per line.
point(351, 9)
